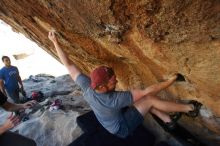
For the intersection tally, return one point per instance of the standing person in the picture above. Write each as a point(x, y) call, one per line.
point(10, 80)
point(8, 138)
point(107, 104)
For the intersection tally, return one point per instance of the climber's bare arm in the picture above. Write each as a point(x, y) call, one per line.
point(2, 86)
point(152, 90)
point(72, 68)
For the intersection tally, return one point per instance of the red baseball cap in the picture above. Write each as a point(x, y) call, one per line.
point(100, 76)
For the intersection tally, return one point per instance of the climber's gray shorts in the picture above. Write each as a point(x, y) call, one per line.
point(130, 121)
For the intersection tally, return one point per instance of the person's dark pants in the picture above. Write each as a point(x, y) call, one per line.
point(13, 139)
point(14, 95)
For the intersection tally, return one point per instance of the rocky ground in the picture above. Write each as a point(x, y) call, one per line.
point(57, 127)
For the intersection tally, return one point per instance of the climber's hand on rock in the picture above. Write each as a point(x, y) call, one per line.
point(173, 77)
point(52, 36)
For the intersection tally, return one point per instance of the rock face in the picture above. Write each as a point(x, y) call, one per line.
point(144, 41)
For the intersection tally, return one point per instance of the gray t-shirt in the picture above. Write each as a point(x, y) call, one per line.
point(106, 106)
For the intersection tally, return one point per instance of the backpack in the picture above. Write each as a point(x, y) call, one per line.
point(37, 95)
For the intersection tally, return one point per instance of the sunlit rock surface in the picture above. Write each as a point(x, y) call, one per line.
point(144, 41)
point(55, 128)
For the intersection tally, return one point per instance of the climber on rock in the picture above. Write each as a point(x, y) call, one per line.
point(8, 138)
point(107, 104)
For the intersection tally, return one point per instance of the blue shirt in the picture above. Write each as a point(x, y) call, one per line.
point(106, 106)
point(10, 76)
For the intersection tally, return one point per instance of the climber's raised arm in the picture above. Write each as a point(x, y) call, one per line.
point(153, 89)
point(73, 70)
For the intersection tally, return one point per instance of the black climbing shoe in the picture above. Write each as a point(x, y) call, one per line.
point(170, 126)
point(195, 112)
point(174, 118)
